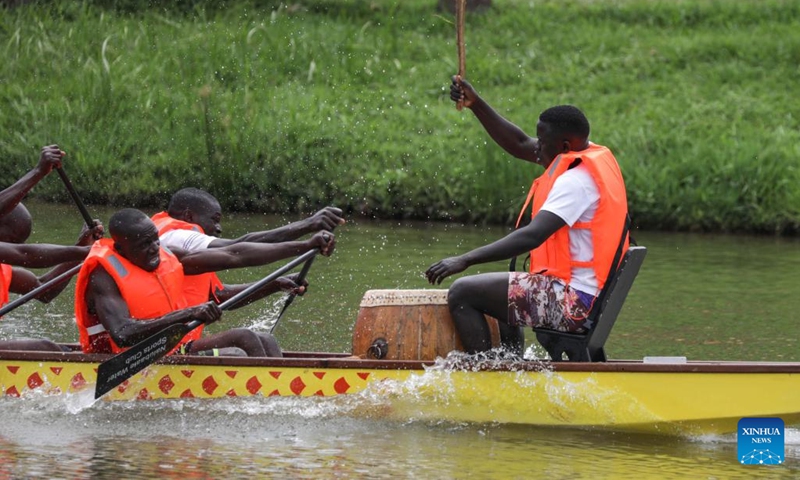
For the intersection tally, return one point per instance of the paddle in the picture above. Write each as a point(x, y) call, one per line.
point(65, 276)
point(124, 365)
point(300, 278)
point(85, 213)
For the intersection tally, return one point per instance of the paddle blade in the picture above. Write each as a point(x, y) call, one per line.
point(124, 365)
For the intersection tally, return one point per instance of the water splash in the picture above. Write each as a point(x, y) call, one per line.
point(267, 315)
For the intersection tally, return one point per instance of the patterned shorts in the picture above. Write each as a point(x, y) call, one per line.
point(541, 301)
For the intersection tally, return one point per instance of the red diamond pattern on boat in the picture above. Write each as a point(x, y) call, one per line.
point(275, 374)
point(144, 395)
point(56, 370)
point(274, 393)
point(319, 375)
point(187, 394)
point(253, 385)
point(231, 373)
point(166, 384)
point(77, 381)
point(209, 385)
point(12, 392)
point(363, 375)
point(319, 393)
point(14, 369)
point(34, 381)
point(341, 385)
point(231, 393)
point(187, 373)
point(297, 386)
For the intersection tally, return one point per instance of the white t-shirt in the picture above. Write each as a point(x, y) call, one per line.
point(187, 240)
point(574, 198)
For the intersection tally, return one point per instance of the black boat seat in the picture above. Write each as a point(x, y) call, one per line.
point(589, 346)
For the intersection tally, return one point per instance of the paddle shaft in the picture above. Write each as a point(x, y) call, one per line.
point(300, 278)
point(125, 364)
point(65, 276)
point(85, 213)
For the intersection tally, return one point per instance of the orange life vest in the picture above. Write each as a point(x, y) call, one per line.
point(196, 287)
point(553, 256)
point(148, 295)
point(5, 282)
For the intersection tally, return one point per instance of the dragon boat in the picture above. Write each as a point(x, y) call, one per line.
point(401, 365)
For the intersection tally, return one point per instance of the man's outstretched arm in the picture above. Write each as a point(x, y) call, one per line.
point(515, 243)
point(40, 255)
point(326, 219)
point(250, 254)
point(24, 281)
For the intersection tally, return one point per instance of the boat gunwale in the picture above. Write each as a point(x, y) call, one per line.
point(347, 361)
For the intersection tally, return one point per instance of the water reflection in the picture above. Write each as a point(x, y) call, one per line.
point(237, 438)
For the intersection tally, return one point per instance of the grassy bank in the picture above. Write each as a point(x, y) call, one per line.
point(284, 109)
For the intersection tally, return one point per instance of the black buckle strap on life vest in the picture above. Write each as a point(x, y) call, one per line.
point(512, 265)
point(613, 270)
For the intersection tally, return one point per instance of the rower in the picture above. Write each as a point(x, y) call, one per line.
point(130, 288)
point(192, 223)
point(15, 228)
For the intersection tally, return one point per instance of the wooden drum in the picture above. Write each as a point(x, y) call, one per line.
point(407, 325)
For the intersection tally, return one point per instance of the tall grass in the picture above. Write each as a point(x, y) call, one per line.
point(286, 107)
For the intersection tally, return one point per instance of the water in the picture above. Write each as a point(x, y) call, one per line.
point(700, 296)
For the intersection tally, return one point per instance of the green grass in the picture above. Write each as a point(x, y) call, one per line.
point(284, 109)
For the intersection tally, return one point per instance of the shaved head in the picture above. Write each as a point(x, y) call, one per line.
point(566, 121)
point(198, 207)
point(15, 226)
point(126, 223)
point(189, 199)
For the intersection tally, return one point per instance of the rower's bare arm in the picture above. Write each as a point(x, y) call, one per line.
point(40, 255)
point(50, 157)
point(326, 219)
point(250, 254)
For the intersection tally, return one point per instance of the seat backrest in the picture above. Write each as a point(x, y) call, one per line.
point(612, 300)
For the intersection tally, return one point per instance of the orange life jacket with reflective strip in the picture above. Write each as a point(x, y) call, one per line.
point(148, 295)
point(196, 288)
point(553, 256)
point(5, 282)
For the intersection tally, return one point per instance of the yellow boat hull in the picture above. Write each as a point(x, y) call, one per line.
point(686, 399)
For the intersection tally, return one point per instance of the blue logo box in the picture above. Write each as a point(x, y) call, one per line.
point(760, 441)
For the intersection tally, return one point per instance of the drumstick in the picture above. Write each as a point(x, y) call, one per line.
point(462, 57)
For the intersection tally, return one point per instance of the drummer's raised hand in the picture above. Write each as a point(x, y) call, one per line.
point(444, 268)
point(462, 91)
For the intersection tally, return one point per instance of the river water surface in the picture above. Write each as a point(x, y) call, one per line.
point(699, 296)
